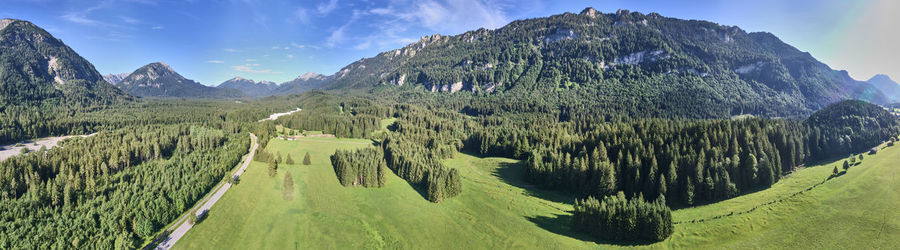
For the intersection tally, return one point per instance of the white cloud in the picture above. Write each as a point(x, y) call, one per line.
point(452, 16)
point(157, 27)
point(250, 60)
point(364, 45)
point(83, 16)
point(324, 8)
point(336, 37)
point(215, 61)
point(290, 56)
point(129, 20)
point(304, 46)
point(243, 68)
point(302, 15)
point(231, 50)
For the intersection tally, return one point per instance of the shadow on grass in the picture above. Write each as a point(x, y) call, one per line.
point(562, 225)
point(514, 174)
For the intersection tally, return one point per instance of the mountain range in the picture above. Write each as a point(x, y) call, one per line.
point(249, 87)
point(160, 80)
point(644, 64)
point(38, 69)
point(302, 83)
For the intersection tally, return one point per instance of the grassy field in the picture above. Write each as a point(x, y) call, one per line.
point(497, 210)
point(489, 214)
point(857, 209)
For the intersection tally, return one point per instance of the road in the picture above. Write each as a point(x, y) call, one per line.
point(181, 227)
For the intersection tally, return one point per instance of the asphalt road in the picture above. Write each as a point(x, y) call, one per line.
point(179, 229)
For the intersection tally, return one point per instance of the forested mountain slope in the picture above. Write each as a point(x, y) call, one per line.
point(648, 65)
point(160, 80)
point(42, 80)
point(36, 69)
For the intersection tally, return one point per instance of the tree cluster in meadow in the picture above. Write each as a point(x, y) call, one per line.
point(362, 167)
point(342, 119)
point(616, 218)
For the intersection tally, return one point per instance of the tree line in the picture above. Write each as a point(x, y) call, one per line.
point(112, 190)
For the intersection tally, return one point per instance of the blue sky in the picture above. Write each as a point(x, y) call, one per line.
point(212, 41)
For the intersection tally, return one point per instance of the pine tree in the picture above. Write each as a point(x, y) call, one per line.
point(306, 159)
point(273, 168)
point(289, 160)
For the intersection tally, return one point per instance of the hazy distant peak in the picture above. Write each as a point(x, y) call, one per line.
point(309, 75)
point(115, 78)
point(880, 77)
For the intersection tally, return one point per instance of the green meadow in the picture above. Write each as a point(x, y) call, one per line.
point(498, 210)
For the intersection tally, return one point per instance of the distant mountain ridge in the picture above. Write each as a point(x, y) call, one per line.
point(306, 82)
point(115, 78)
point(249, 87)
point(38, 69)
point(884, 83)
point(302, 83)
point(160, 80)
point(645, 64)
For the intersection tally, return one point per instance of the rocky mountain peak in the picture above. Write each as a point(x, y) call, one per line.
point(590, 12)
point(6, 21)
point(160, 66)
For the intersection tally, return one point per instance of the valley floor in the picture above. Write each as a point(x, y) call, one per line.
point(8, 151)
point(498, 210)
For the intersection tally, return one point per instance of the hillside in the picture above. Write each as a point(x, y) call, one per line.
point(249, 87)
point(645, 64)
point(160, 80)
point(36, 69)
point(852, 126)
point(884, 83)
